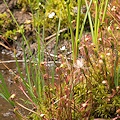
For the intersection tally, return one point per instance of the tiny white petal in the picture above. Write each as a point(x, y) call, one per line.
point(51, 15)
point(39, 3)
point(84, 105)
point(42, 115)
point(113, 8)
point(104, 82)
point(62, 48)
point(79, 63)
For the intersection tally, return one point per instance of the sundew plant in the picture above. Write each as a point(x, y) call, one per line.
point(82, 84)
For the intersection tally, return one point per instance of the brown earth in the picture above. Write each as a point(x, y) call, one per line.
point(23, 17)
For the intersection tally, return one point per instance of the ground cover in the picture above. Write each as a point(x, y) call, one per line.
point(71, 55)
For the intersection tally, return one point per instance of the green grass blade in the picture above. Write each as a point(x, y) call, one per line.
point(105, 9)
point(4, 92)
point(75, 50)
point(90, 19)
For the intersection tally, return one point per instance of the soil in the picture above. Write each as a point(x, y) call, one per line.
point(22, 17)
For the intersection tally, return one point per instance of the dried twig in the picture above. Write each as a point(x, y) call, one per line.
point(53, 35)
point(2, 44)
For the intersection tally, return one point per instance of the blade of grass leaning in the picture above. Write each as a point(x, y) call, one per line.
point(75, 49)
point(39, 81)
point(71, 30)
point(55, 51)
point(105, 9)
point(90, 20)
point(100, 11)
point(26, 80)
point(118, 77)
point(28, 85)
point(116, 72)
point(38, 78)
point(4, 92)
point(96, 24)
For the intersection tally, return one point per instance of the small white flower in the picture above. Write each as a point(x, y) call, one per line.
point(101, 61)
point(62, 48)
point(39, 3)
point(75, 10)
point(84, 105)
point(42, 115)
point(51, 15)
point(113, 8)
point(79, 63)
point(108, 54)
point(104, 82)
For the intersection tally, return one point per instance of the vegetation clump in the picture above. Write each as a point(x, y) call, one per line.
point(85, 85)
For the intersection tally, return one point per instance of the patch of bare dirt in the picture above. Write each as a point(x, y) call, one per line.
point(23, 17)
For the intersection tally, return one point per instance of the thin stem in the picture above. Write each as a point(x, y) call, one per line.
point(77, 31)
point(71, 30)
